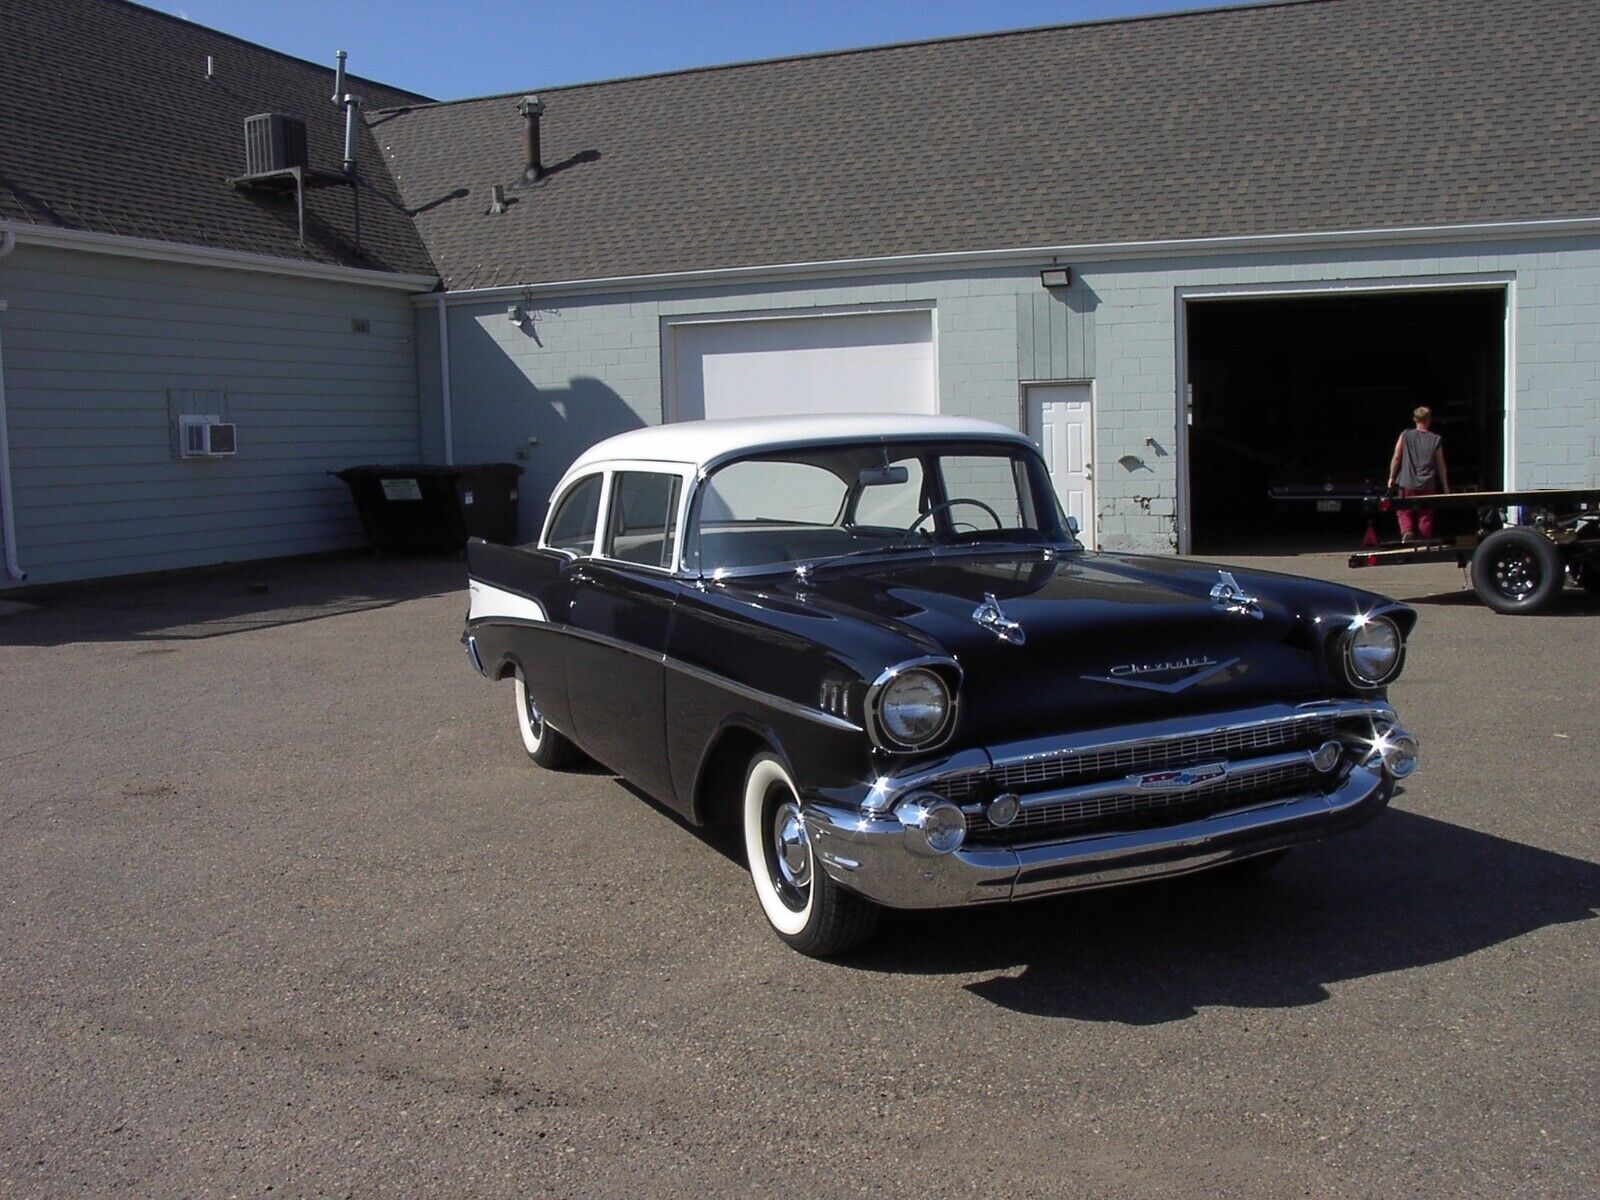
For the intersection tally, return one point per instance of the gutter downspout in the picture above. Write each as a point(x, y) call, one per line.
point(8, 524)
point(444, 383)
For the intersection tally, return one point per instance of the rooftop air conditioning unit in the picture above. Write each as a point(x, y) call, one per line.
point(273, 142)
point(205, 437)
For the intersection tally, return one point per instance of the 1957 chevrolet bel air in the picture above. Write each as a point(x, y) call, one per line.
point(875, 643)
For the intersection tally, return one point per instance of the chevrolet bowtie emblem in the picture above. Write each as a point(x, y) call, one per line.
point(989, 615)
point(1180, 780)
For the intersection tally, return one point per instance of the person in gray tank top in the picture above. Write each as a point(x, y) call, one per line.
point(1418, 469)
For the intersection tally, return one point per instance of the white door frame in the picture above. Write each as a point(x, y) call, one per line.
point(1505, 281)
point(1025, 424)
point(670, 409)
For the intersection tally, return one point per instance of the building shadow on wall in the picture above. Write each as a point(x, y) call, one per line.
point(1405, 892)
point(500, 415)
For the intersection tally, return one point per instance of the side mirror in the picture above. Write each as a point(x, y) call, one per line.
point(1072, 526)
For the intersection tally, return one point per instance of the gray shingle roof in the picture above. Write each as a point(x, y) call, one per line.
point(1324, 115)
point(108, 124)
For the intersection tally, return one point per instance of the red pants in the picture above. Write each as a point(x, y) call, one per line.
point(1416, 522)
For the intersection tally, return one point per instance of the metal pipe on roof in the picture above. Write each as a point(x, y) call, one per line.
point(338, 76)
point(531, 108)
point(351, 103)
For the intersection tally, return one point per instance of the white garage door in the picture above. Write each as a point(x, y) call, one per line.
point(859, 363)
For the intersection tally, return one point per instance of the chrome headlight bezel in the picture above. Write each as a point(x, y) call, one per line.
point(1352, 647)
point(944, 673)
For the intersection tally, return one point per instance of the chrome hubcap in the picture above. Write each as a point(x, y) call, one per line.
point(794, 850)
point(535, 721)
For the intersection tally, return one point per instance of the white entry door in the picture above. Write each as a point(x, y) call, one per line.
point(1060, 418)
point(780, 366)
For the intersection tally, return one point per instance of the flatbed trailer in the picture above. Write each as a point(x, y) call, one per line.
point(1515, 567)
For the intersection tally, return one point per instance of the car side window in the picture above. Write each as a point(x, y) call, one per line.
point(643, 524)
point(572, 525)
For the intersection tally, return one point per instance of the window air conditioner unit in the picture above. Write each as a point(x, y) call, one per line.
point(205, 437)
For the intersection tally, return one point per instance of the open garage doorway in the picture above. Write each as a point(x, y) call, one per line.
point(1296, 401)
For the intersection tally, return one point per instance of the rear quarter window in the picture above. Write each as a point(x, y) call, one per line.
point(573, 520)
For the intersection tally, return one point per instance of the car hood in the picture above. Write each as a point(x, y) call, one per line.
point(1107, 638)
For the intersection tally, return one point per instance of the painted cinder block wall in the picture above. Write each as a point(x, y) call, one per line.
point(93, 346)
point(582, 367)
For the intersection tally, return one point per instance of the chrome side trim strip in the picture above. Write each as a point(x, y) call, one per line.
point(781, 703)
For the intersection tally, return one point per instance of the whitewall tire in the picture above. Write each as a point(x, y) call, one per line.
point(805, 908)
point(543, 744)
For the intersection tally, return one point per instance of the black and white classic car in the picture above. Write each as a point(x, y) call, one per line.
point(876, 645)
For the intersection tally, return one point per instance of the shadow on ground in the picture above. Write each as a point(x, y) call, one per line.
point(225, 600)
point(1571, 602)
point(1404, 892)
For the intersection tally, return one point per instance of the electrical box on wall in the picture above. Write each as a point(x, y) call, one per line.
point(205, 437)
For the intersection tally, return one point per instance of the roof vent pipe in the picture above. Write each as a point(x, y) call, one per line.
point(351, 104)
point(531, 108)
point(338, 76)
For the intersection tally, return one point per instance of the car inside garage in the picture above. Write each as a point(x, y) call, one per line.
point(1296, 402)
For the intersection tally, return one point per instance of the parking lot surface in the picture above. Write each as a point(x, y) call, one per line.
point(284, 909)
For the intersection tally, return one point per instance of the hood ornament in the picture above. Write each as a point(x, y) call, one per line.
point(991, 617)
point(1230, 597)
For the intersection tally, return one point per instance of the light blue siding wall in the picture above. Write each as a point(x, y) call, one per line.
point(588, 366)
point(94, 346)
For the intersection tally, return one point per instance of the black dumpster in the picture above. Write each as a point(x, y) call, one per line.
point(426, 506)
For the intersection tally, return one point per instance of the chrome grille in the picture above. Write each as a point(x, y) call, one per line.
point(1082, 766)
point(1122, 811)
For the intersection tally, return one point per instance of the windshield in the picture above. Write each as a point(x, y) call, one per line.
point(824, 502)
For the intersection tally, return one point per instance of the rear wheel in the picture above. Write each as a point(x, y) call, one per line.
point(1516, 571)
point(805, 908)
point(544, 745)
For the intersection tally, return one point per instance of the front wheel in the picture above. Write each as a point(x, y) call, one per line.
point(1516, 571)
point(805, 908)
point(544, 745)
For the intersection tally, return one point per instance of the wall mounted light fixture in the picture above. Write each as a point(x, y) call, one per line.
point(1056, 277)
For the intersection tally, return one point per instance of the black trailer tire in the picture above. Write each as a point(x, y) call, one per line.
point(1517, 571)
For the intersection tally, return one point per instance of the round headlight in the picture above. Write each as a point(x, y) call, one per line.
point(913, 706)
point(1372, 651)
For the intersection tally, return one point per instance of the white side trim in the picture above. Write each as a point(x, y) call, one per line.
point(209, 256)
point(487, 601)
point(1038, 256)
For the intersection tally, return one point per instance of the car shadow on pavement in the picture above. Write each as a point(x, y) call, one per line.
point(1404, 892)
point(215, 602)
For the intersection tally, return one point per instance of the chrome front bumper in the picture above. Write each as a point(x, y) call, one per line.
point(865, 848)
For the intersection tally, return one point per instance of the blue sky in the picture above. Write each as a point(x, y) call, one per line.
point(475, 47)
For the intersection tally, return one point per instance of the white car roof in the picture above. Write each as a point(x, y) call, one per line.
point(699, 443)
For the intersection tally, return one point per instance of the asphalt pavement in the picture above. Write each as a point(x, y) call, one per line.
point(285, 910)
